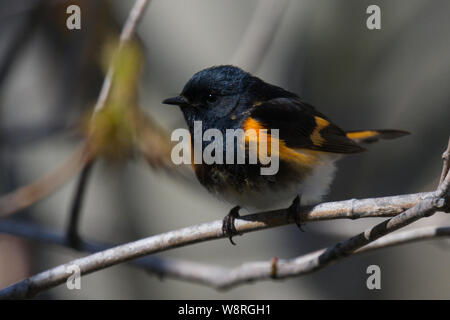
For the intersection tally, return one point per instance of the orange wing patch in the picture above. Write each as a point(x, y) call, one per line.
point(362, 134)
point(316, 138)
point(284, 152)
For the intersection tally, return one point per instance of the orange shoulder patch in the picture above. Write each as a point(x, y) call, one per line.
point(251, 123)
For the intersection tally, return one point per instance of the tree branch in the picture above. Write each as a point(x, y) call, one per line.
point(127, 32)
point(259, 34)
point(210, 275)
point(446, 162)
point(426, 204)
point(72, 235)
point(36, 191)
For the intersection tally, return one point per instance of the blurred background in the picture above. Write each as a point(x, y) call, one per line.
point(397, 77)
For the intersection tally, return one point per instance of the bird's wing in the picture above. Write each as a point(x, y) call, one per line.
point(301, 126)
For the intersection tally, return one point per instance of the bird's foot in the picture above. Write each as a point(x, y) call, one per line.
point(293, 212)
point(228, 227)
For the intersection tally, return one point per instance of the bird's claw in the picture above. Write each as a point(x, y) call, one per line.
point(293, 211)
point(228, 227)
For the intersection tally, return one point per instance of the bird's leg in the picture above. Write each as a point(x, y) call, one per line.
point(228, 227)
point(293, 211)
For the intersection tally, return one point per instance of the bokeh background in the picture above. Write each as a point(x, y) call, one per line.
point(397, 77)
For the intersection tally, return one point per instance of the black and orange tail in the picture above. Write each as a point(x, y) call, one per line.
point(370, 136)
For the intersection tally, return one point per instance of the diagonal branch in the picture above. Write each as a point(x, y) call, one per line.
point(214, 276)
point(36, 191)
point(128, 29)
point(213, 230)
point(312, 262)
point(259, 34)
point(222, 278)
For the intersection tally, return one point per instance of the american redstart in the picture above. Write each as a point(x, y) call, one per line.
point(226, 97)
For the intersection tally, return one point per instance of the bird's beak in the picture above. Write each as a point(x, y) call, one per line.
point(177, 101)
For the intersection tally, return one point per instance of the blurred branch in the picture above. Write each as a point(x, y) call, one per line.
point(20, 135)
point(225, 278)
point(126, 34)
point(426, 206)
point(210, 275)
point(19, 40)
point(36, 233)
point(259, 34)
point(36, 191)
point(133, 19)
point(446, 162)
point(73, 237)
point(29, 194)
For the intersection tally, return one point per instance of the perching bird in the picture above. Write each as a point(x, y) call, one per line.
point(226, 97)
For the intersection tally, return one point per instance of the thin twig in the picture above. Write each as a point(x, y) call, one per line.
point(259, 34)
point(408, 236)
point(446, 162)
point(36, 191)
point(133, 19)
point(73, 236)
point(19, 40)
point(444, 183)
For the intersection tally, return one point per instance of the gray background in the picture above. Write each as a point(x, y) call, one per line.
point(396, 77)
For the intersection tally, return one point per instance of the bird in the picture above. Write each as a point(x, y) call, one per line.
point(227, 97)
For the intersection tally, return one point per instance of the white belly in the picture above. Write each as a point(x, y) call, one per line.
point(312, 188)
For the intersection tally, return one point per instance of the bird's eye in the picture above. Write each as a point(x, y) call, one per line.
point(211, 98)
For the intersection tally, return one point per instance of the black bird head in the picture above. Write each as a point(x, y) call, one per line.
point(220, 96)
point(213, 94)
